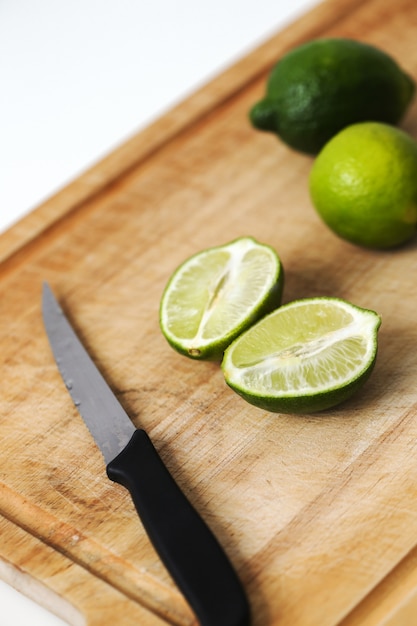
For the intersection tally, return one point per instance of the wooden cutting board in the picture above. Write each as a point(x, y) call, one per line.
point(318, 513)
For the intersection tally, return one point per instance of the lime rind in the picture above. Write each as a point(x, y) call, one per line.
point(363, 185)
point(299, 361)
point(218, 293)
point(324, 85)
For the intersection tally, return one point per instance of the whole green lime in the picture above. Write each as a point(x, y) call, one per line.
point(363, 184)
point(322, 86)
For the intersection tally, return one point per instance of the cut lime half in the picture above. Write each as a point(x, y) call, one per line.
point(307, 356)
point(218, 293)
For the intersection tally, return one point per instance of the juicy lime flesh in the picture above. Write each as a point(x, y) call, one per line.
point(194, 294)
point(302, 350)
point(216, 292)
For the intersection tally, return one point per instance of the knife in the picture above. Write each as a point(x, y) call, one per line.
point(184, 542)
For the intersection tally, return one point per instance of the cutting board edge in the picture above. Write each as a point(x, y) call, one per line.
point(35, 589)
point(62, 586)
point(180, 118)
point(395, 591)
point(62, 540)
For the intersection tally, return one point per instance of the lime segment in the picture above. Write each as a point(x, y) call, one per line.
point(217, 293)
point(307, 356)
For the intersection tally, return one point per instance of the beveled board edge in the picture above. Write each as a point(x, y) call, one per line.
point(62, 586)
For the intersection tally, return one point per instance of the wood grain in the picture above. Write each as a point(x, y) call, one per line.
point(318, 513)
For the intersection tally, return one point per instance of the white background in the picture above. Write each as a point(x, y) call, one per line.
point(78, 78)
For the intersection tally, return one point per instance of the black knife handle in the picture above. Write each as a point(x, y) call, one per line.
point(185, 544)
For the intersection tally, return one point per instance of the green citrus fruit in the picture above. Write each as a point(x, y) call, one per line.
point(218, 293)
point(322, 86)
point(304, 357)
point(364, 185)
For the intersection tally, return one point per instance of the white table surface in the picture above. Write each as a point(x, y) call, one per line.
point(78, 78)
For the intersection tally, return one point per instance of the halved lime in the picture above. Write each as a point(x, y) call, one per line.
point(217, 293)
point(307, 356)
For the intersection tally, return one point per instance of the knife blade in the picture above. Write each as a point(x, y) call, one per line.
point(186, 545)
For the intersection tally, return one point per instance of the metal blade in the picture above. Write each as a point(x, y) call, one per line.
point(105, 417)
